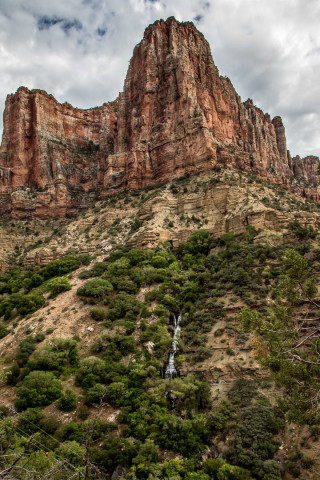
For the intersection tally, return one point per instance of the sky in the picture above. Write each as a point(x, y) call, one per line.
point(79, 51)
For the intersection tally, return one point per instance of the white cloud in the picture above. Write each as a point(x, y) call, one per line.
point(79, 51)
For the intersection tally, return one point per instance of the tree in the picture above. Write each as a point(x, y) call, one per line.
point(287, 342)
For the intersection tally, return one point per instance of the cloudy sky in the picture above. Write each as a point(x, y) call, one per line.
point(79, 51)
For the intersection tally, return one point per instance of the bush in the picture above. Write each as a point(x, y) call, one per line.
point(96, 271)
point(39, 337)
point(68, 401)
point(3, 331)
point(92, 370)
point(137, 256)
point(38, 390)
point(49, 424)
point(13, 375)
point(115, 393)
point(136, 224)
point(98, 314)
point(124, 306)
point(119, 267)
point(96, 288)
point(242, 392)
point(85, 259)
point(253, 442)
point(95, 394)
point(30, 303)
point(84, 412)
point(55, 356)
point(8, 304)
point(301, 231)
point(27, 346)
point(29, 420)
point(35, 280)
point(58, 285)
point(220, 469)
point(61, 266)
point(71, 451)
point(202, 354)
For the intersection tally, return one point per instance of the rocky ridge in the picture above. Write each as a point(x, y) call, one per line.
point(175, 116)
point(219, 201)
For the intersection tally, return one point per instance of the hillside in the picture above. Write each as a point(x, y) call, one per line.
point(97, 323)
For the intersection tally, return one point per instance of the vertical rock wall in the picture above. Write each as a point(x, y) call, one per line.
point(176, 115)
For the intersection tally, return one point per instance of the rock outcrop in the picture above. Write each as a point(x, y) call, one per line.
point(176, 116)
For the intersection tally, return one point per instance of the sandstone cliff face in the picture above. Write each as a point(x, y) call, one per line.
point(49, 158)
point(176, 115)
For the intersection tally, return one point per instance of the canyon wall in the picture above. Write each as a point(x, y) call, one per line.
point(175, 116)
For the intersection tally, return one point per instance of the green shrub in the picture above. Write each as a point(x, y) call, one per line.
point(301, 231)
point(97, 288)
point(8, 304)
point(38, 390)
point(72, 452)
point(85, 259)
point(115, 393)
point(136, 256)
point(36, 280)
point(68, 401)
point(30, 303)
point(57, 285)
point(49, 424)
point(242, 392)
point(159, 260)
point(136, 224)
point(28, 422)
point(84, 412)
point(92, 370)
point(3, 331)
point(39, 337)
point(26, 347)
point(96, 271)
point(124, 306)
point(201, 354)
point(220, 469)
point(119, 267)
point(95, 394)
point(254, 442)
point(98, 313)
point(13, 375)
point(55, 355)
point(61, 266)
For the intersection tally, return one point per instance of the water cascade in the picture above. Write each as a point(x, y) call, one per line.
point(171, 371)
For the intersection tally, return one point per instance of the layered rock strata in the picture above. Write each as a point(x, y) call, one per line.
point(176, 116)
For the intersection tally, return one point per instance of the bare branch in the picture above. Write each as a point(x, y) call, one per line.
point(297, 357)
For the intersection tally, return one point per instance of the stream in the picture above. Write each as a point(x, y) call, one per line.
point(171, 371)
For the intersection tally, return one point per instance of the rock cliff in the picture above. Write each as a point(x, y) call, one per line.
point(175, 116)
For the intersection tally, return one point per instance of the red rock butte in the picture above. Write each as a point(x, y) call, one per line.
point(175, 116)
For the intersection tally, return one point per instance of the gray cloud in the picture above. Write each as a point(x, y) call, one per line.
point(79, 51)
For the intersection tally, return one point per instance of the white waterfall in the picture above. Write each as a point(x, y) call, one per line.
point(171, 371)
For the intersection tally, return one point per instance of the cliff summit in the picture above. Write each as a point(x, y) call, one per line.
point(175, 116)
